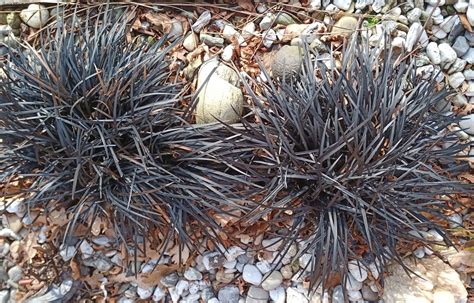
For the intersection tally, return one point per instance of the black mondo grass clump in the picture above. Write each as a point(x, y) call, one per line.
point(358, 162)
point(94, 123)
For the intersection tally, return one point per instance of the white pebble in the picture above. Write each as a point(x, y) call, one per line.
point(357, 270)
point(252, 275)
point(144, 293)
point(181, 287)
point(192, 274)
point(228, 53)
point(432, 51)
point(67, 252)
point(456, 220)
point(263, 266)
point(278, 295)
point(294, 296)
point(352, 283)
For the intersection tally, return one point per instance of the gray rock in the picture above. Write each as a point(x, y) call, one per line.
point(469, 74)
point(284, 19)
point(345, 26)
point(278, 295)
point(233, 252)
point(170, 280)
point(266, 21)
point(467, 124)
point(252, 275)
point(338, 295)
point(378, 5)
point(414, 15)
point(470, 13)
point(357, 270)
point(415, 34)
point(202, 21)
point(460, 101)
point(287, 62)
point(352, 284)
point(432, 51)
point(192, 274)
point(361, 4)
point(3, 275)
point(207, 294)
point(191, 42)
point(211, 40)
point(461, 6)
point(461, 46)
point(269, 37)
point(433, 276)
point(272, 281)
point(448, 23)
point(368, 294)
point(458, 30)
point(35, 15)
point(343, 4)
point(4, 296)
point(447, 53)
point(455, 80)
point(294, 296)
point(457, 66)
point(229, 294)
point(256, 295)
point(469, 56)
point(15, 273)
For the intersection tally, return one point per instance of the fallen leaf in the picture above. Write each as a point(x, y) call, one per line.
point(246, 5)
point(160, 20)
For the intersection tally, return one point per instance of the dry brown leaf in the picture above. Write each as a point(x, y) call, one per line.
point(160, 20)
point(465, 23)
point(246, 5)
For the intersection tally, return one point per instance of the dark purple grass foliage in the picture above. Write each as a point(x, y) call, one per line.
point(355, 154)
point(95, 123)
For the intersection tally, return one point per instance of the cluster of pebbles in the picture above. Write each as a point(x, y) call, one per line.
point(438, 35)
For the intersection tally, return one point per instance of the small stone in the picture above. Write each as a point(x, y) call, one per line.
point(455, 80)
point(338, 295)
point(170, 280)
point(86, 249)
point(414, 15)
point(144, 293)
point(266, 22)
point(438, 32)
point(294, 296)
point(257, 295)
point(272, 281)
point(211, 40)
point(8, 233)
point(35, 15)
point(357, 271)
point(448, 23)
point(284, 19)
point(345, 26)
point(174, 295)
point(230, 264)
point(456, 219)
point(343, 4)
point(229, 294)
point(224, 277)
point(4, 296)
point(207, 294)
point(443, 296)
point(368, 294)
point(181, 287)
point(374, 270)
point(378, 5)
point(469, 56)
point(432, 51)
point(228, 53)
point(287, 62)
point(467, 124)
point(461, 6)
point(469, 74)
point(15, 273)
point(269, 37)
point(249, 30)
point(419, 252)
point(192, 274)
point(286, 271)
point(447, 54)
point(415, 34)
point(67, 252)
point(233, 252)
point(278, 295)
point(263, 266)
point(461, 46)
point(352, 284)
point(354, 295)
point(16, 207)
point(457, 66)
point(252, 275)
point(202, 21)
point(102, 264)
point(213, 300)
point(230, 33)
point(470, 12)
point(191, 42)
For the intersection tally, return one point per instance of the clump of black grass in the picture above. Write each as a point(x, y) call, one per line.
point(94, 123)
point(358, 162)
